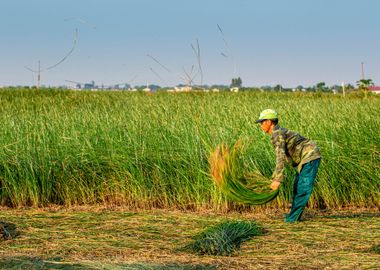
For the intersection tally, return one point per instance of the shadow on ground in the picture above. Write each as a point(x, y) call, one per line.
point(33, 263)
point(354, 215)
point(375, 249)
point(167, 267)
point(25, 262)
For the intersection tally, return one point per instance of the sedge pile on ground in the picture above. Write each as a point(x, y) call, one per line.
point(225, 238)
point(6, 230)
point(249, 189)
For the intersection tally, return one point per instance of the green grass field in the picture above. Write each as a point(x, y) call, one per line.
point(151, 150)
point(123, 180)
point(115, 238)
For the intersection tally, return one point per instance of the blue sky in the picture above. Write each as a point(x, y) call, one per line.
point(287, 42)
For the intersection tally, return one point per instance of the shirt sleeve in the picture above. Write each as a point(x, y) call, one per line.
point(279, 145)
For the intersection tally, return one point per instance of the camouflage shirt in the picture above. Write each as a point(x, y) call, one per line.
point(291, 147)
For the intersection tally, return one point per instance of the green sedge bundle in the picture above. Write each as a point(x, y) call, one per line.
point(224, 238)
point(251, 189)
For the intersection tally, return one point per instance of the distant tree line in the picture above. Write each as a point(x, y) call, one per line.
point(321, 87)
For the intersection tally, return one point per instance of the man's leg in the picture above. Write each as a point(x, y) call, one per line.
point(295, 183)
point(303, 189)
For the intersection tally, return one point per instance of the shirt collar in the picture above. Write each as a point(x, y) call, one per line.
point(276, 127)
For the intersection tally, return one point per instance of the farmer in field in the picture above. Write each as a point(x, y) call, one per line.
point(303, 154)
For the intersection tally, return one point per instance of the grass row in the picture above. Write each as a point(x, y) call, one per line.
point(151, 150)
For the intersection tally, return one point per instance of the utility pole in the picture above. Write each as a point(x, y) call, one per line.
point(39, 75)
point(362, 70)
point(39, 70)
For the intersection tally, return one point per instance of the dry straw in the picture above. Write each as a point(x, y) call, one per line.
point(249, 189)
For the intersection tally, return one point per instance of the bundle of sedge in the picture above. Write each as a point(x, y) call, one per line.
point(250, 189)
point(224, 238)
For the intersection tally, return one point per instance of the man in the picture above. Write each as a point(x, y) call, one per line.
point(303, 154)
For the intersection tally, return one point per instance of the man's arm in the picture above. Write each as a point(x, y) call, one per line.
point(278, 174)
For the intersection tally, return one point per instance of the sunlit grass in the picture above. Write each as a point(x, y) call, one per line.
point(146, 151)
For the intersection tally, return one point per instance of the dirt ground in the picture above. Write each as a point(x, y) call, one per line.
point(117, 238)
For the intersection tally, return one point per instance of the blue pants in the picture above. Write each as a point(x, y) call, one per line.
point(302, 188)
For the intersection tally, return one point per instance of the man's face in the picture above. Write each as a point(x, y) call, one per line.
point(265, 125)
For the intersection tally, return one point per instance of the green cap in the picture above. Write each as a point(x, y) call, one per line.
point(267, 114)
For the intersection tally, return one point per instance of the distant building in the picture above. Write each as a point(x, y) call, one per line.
point(374, 89)
point(183, 89)
point(89, 86)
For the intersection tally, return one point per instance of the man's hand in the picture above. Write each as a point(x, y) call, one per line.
point(275, 185)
